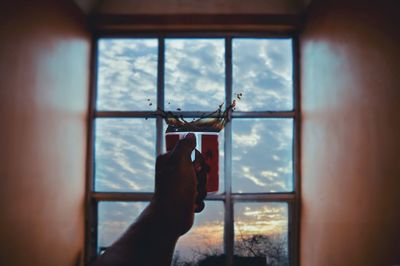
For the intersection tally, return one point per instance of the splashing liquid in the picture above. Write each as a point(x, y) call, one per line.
point(212, 122)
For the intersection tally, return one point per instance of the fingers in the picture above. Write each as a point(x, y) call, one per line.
point(201, 169)
point(185, 146)
point(199, 207)
point(162, 160)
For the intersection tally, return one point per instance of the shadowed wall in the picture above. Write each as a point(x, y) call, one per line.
point(44, 69)
point(351, 134)
point(200, 7)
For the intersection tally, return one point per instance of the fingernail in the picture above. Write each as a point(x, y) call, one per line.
point(190, 136)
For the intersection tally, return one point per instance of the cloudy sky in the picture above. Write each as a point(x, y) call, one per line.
point(195, 81)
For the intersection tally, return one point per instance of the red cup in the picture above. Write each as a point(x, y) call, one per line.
point(207, 144)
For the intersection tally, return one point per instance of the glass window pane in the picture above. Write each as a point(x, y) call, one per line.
point(114, 218)
point(261, 232)
point(262, 71)
point(262, 155)
point(194, 74)
point(127, 74)
point(205, 239)
point(124, 155)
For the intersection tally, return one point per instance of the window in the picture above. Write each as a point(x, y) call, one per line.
point(253, 217)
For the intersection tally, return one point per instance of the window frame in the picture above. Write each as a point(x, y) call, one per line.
point(228, 198)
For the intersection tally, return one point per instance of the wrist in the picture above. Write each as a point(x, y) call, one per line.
point(171, 217)
point(157, 221)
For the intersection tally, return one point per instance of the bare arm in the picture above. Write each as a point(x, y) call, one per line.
point(147, 242)
point(151, 239)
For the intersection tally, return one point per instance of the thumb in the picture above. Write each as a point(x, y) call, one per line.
point(185, 146)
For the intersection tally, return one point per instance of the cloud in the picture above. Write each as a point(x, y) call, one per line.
point(275, 157)
point(269, 174)
point(102, 182)
point(287, 169)
point(262, 71)
point(248, 139)
point(261, 218)
point(236, 158)
point(246, 173)
point(125, 155)
point(127, 74)
point(262, 152)
point(194, 74)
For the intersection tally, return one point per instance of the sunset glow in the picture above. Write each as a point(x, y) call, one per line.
point(206, 236)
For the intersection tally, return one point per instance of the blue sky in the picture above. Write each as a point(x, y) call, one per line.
point(195, 81)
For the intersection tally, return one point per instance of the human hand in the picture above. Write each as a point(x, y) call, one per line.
point(178, 194)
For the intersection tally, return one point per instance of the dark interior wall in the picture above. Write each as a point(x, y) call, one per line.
point(350, 81)
point(200, 7)
point(44, 81)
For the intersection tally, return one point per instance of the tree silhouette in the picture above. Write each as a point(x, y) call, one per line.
point(266, 250)
point(272, 247)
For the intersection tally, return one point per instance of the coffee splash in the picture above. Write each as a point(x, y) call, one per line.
point(208, 122)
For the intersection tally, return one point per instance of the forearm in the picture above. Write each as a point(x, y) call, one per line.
point(148, 241)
